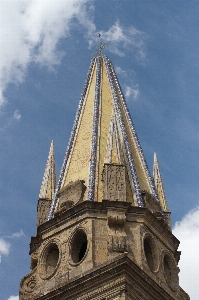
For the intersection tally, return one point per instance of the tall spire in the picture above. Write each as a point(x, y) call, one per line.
point(130, 245)
point(160, 188)
point(49, 179)
point(103, 132)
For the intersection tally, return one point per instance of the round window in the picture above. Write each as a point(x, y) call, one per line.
point(79, 246)
point(52, 259)
point(150, 251)
point(49, 260)
point(170, 272)
point(167, 270)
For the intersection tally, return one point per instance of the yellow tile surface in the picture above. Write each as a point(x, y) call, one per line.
point(79, 161)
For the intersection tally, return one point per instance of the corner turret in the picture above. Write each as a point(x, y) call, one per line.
point(47, 190)
point(160, 190)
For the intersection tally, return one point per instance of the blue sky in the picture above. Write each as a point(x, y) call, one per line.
point(46, 48)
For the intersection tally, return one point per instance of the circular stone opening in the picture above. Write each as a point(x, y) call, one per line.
point(148, 253)
point(52, 258)
point(79, 245)
point(170, 272)
point(167, 270)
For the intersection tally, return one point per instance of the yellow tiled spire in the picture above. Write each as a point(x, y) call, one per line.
point(103, 132)
point(49, 179)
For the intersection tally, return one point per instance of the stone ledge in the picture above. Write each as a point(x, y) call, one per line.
point(116, 275)
point(135, 214)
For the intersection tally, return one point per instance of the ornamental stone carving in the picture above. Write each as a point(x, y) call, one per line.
point(117, 243)
point(71, 194)
point(43, 208)
point(30, 285)
point(114, 184)
point(116, 230)
point(116, 218)
point(34, 260)
point(150, 202)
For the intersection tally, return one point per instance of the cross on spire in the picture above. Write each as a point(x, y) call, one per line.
point(101, 47)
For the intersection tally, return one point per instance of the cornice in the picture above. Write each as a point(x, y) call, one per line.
point(91, 209)
point(118, 273)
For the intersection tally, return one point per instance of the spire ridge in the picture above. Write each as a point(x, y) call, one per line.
point(124, 134)
point(94, 139)
point(139, 151)
point(71, 139)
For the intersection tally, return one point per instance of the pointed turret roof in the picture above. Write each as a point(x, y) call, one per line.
point(159, 185)
point(160, 190)
point(49, 179)
point(103, 132)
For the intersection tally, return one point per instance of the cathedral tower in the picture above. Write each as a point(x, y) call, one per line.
point(104, 232)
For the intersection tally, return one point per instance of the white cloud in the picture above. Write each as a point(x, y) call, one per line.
point(120, 71)
point(131, 88)
point(187, 231)
point(16, 235)
point(132, 92)
point(4, 247)
point(17, 115)
point(30, 32)
point(13, 298)
point(123, 38)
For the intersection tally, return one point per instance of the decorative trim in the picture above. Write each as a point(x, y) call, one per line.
point(94, 141)
point(71, 140)
point(133, 131)
point(118, 144)
point(123, 129)
point(109, 143)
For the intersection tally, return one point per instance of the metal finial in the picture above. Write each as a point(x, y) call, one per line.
point(101, 47)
